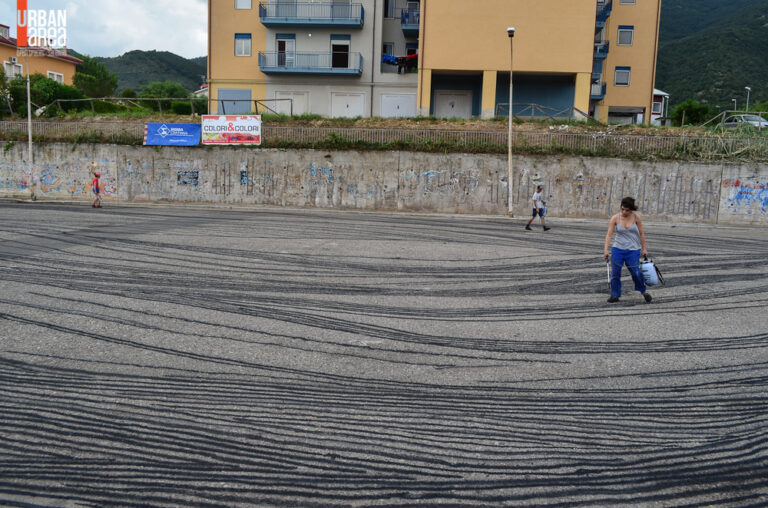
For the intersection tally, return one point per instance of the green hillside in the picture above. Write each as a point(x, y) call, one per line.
point(139, 68)
point(713, 64)
point(681, 18)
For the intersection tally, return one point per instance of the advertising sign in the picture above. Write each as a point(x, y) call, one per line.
point(40, 27)
point(231, 130)
point(172, 134)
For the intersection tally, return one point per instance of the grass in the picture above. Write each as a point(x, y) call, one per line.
point(749, 145)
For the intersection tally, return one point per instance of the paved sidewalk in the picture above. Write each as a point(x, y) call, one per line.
point(190, 356)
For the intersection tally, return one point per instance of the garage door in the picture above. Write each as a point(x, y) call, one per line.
point(397, 105)
point(347, 105)
point(453, 104)
point(300, 101)
point(234, 101)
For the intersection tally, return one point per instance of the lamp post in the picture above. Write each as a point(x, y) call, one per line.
point(734, 104)
point(748, 89)
point(511, 177)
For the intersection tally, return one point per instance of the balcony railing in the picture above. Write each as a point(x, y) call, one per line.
point(409, 22)
point(601, 50)
point(319, 14)
point(334, 63)
point(598, 91)
point(603, 12)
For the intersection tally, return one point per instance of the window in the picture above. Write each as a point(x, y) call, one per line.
point(56, 76)
point(242, 44)
point(626, 35)
point(656, 108)
point(622, 76)
point(246, 4)
point(627, 2)
point(13, 69)
point(389, 8)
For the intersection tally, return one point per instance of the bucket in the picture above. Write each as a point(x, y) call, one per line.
point(650, 274)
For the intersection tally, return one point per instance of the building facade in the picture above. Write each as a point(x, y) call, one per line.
point(51, 63)
point(322, 57)
point(447, 58)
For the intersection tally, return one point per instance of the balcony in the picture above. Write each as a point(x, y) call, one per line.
point(598, 91)
point(317, 62)
point(409, 22)
point(601, 50)
point(317, 15)
point(603, 12)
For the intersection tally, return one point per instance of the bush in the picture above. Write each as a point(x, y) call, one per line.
point(162, 90)
point(181, 107)
point(108, 107)
point(693, 112)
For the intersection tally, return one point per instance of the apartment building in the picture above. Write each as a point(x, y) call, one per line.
point(568, 58)
point(321, 57)
point(52, 63)
point(626, 41)
point(447, 58)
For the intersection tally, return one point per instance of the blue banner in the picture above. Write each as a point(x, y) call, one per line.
point(172, 134)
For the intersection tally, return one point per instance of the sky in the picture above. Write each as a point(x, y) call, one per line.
point(110, 28)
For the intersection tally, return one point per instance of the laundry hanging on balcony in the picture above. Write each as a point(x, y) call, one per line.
point(404, 63)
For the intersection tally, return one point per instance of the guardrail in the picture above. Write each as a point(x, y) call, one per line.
point(700, 148)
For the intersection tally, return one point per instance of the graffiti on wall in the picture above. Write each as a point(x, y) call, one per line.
point(683, 194)
point(466, 183)
point(745, 197)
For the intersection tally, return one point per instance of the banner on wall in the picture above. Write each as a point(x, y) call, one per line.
point(172, 134)
point(231, 130)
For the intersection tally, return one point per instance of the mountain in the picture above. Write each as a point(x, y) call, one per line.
point(709, 50)
point(681, 18)
point(139, 68)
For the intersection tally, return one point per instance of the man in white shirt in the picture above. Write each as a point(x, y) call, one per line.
point(538, 208)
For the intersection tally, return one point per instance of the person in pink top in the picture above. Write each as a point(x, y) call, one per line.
point(96, 189)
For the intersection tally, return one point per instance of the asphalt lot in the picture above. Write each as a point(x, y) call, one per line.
point(168, 356)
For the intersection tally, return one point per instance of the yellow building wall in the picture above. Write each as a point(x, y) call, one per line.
point(40, 64)
point(551, 35)
point(225, 70)
point(640, 56)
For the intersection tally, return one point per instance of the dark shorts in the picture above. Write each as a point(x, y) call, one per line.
point(95, 190)
point(543, 212)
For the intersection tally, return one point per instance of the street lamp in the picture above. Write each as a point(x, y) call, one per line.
point(511, 176)
point(734, 104)
point(748, 89)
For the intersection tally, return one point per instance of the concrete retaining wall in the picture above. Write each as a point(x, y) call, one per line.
point(452, 183)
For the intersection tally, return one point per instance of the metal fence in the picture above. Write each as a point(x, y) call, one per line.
point(704, 148)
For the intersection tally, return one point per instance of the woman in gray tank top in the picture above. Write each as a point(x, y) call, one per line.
point(628, 243)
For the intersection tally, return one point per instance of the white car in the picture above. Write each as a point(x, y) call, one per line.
point(739, 120)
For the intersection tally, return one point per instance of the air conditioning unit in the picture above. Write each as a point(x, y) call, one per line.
point(13, 59)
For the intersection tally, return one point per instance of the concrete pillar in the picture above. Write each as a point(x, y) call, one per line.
point(583, 92)
point(425, 92)
point(489, 95)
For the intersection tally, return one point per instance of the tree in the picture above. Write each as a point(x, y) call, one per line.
point(94, 79)
point(128, 93)
point(694, 112)
point(164, 89)
point(43, 91)
point(5, 94)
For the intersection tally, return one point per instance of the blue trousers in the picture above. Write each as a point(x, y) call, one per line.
point(631, 258)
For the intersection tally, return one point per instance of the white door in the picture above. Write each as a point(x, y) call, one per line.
point(347, 105)
point(300, 102)
point(453, 103)
point(398, 105)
